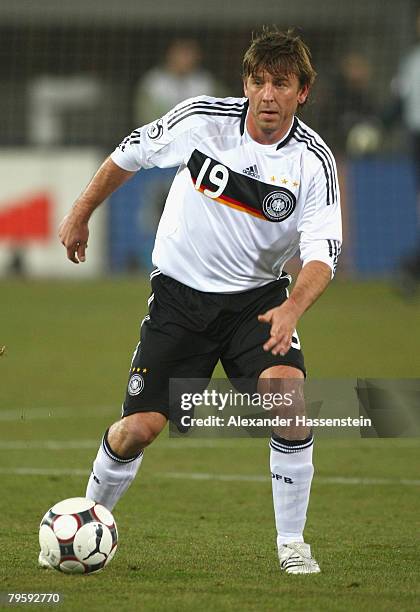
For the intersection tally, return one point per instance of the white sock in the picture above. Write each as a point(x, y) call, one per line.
point(111, 475)
point(291, 472)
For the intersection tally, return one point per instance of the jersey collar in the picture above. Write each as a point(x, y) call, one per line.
point(286, 138)
point(243, 117)
point(289, 135)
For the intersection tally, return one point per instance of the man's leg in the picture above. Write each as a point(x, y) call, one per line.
point(291, 470)
point(120, 455)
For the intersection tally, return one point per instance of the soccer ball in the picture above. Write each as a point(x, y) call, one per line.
point(78, 536)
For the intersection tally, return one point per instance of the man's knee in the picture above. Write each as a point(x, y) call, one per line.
point(144, 427)
point(281, 373)
point(285, 382)
point(136, 431)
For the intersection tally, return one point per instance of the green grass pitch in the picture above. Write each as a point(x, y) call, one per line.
point(196, 528)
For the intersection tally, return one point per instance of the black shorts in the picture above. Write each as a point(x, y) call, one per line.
point(187, 331)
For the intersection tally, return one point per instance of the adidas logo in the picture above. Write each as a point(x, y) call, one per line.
point(251, 171)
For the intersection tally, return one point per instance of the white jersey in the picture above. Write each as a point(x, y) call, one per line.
point(237, 210)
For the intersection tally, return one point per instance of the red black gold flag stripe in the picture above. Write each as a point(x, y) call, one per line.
point(232, 203)
point(238, 191)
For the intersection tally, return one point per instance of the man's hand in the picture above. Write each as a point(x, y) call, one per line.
point(73, 231)
point(74, 235)
point(310, 284)
point(283, 320)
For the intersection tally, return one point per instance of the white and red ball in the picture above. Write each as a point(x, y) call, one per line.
point(78, 536)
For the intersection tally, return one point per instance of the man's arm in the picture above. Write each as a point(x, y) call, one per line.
point(74, 231)
point(311, 282)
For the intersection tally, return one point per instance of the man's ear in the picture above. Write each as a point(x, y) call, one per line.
point(245, 87)
point(303, 94)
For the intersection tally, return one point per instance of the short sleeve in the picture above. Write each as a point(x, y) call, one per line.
point(159, 143)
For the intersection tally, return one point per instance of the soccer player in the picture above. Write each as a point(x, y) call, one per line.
point(254, 185)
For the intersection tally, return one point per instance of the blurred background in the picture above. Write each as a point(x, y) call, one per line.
point(77, 77)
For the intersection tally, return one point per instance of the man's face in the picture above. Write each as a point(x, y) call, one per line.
point(273, 101)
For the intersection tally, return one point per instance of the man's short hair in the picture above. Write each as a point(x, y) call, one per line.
point(279, 52)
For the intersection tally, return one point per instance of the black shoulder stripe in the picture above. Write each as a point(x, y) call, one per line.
point(321, 159)
point(203, 112)
point(328, 156)
point(314, 140)
point(323, 151)
point(191, 108)
point(206, 103)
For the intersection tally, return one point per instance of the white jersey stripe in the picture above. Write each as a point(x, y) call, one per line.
point(155, 273)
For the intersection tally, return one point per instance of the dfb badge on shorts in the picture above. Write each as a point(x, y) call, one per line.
point(279, 205)
point(135, 384)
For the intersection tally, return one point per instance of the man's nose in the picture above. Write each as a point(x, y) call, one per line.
point(268, 92)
